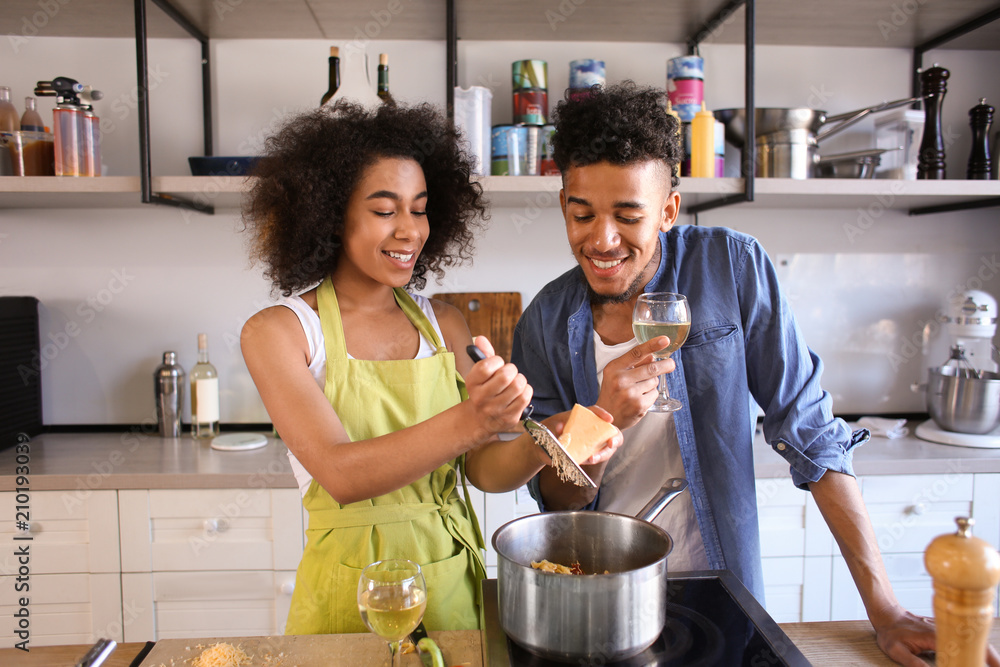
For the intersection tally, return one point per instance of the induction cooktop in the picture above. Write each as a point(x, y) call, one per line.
point(712, 621)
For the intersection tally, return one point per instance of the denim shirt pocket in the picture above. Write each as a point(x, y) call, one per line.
point(711, 332)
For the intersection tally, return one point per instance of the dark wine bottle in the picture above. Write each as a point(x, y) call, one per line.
point(383, 76)
point(334, 75)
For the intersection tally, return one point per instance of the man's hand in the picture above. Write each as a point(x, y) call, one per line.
point(904, 635)
point(630, 382)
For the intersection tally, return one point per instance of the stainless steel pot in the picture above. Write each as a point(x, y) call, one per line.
point(571, 617)
point(959, 401)
point(787, 140)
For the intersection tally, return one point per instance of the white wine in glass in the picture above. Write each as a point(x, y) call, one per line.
point(392, 597)
point(662, 314)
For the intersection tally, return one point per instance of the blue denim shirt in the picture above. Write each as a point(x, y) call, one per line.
point(743, 345)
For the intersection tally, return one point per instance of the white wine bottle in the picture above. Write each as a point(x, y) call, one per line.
point(204, 394)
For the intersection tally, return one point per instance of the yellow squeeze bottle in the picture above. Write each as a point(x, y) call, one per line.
point(703, 144)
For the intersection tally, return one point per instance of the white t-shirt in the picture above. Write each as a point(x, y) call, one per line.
point(648, 458)
point(317, 357)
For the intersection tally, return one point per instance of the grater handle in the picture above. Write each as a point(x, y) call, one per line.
point(478, 355)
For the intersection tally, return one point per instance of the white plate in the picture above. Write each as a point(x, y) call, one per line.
point(238, 442)
point(929, 430)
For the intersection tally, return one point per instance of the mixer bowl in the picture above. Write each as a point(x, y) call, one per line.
point(960, 402)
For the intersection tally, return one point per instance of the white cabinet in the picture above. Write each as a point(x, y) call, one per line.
point(72, 565)
point(806, 578)
point(204, 563)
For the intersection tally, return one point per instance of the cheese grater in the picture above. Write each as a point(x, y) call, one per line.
point(567, 469)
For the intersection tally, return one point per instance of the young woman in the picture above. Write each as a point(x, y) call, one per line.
point(366, 382)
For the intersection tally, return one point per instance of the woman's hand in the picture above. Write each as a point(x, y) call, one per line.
point(497, 392)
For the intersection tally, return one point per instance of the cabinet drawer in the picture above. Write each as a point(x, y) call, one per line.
point(201, 530)
point(71, 532)
point(63, 609)
point(208, 604)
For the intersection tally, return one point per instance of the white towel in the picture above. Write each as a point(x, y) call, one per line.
point(886, 428)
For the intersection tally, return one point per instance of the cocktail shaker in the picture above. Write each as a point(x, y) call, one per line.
point(169, 387)
point(965, 570)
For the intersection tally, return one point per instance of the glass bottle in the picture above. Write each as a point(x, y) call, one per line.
point(334, 75)
point(356, 84)
point(383, 76)
point(9, 120)
point(204, 394)
point(31, 120)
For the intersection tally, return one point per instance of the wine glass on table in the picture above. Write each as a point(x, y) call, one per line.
point(392, 597)
point(662, 314)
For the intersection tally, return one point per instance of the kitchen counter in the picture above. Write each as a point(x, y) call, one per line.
point(61, 461)
point(836, 643)
point(69, 461)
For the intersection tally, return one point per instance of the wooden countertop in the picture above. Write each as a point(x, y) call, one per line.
point(830, 643)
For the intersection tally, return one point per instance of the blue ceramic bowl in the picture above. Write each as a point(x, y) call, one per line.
point(218, 165)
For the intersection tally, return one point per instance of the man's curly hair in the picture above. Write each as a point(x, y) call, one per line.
point(295, 208)
point(621, 124)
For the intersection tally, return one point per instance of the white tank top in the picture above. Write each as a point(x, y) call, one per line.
point(649, 457)
point(309, 319)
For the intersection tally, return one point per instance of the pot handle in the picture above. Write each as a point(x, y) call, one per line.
point(667, 492)
point(852, 117)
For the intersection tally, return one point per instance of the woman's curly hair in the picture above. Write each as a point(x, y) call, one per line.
point(621, 124)
point(295, 208)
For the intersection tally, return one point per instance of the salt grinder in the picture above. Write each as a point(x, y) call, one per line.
point(980, 119)
point(965, 570)
point(933, 84)
point(169, 389)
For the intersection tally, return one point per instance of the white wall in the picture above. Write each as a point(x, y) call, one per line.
point(858, 297)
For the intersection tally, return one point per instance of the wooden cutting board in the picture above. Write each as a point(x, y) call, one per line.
point(490, 314)
point(357, 650)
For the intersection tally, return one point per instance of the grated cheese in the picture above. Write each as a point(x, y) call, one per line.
point(221, 655)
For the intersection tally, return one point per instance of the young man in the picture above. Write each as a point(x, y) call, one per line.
point(617, 151)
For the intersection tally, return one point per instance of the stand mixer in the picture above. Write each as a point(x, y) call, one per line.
point(962, 337)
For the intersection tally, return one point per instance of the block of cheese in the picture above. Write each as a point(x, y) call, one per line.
point(585, 433)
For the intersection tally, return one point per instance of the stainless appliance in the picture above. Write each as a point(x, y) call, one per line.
point(711, 619)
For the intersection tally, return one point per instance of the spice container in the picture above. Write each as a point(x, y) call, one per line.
point(966, 571)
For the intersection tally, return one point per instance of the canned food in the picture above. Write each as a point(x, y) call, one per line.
point(686, 67)
point(529, 74)
point(686, 85)
point(548, 166)
point(509, 144)
point(531, 106)
point(586, 73)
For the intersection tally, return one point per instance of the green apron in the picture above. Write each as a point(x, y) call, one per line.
point(426, 522)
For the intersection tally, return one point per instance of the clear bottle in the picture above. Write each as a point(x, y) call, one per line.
point(9, 119)
point(383, 76)
point(31, 120)
point(334, 75)
point(204, 394)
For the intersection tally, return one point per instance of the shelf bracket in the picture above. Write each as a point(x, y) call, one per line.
point(920, 49)
point(142, 71)
point(748, 154)
point(958, 206)
point(451, 58)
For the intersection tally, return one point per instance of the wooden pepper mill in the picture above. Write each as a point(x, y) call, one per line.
point(966, 571)
point(980, 118)
point(933, 85)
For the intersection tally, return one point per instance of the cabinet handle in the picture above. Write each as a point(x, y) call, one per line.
point(918, 509)
point(213, 526)
point(287, 588)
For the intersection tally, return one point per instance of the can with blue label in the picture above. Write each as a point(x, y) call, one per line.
point(509, 150)
point(686, 85)
point(586, 73)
